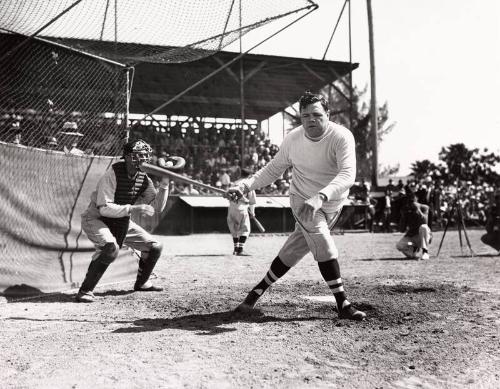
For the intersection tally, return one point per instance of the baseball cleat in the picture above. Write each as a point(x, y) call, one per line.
point(351, 313)
point(85, 297)
point(244, 308)
point(147, 287)
point(424, 256)
point(249, 303)
point(243, 254)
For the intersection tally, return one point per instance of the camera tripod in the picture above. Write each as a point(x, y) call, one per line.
point(456, 209)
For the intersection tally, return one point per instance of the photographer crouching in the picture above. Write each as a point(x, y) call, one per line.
point(413, 222)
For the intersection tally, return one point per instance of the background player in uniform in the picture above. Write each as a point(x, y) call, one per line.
point(413, 222)
point(123, 188)
point(323, 160)
point(239, 213)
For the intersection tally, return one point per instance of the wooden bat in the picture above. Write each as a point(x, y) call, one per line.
point(162, 172)
point(258, 224)
point(159, 171)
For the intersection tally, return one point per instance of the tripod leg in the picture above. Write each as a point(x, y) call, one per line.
point(465, 232)
point(442, 239)
point(459, 225)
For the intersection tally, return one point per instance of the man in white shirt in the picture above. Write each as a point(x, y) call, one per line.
point(323, 161)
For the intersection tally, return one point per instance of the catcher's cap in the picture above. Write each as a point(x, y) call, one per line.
point(136, 146)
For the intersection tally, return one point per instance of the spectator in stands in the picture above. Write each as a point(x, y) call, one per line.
point(225, 179)
point(51, 143)
point(414, 225)
point(189, 189)
point(390, 189)
point(366, 198)
point(400, 186)
point(435, 200)
point(389, 194)
point(16, 132)
point(75, 150)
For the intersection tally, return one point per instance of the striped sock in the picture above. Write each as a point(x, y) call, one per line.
point(235, 243)
point(277, 270)
point(330, 271)
point(241, 243)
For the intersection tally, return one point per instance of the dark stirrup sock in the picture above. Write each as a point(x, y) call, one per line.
point(330, 271)
point(277, 270)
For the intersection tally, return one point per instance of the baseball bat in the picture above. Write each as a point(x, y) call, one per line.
point(159, 171)
point(258, 224)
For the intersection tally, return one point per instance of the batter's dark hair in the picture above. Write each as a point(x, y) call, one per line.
point(309, 98)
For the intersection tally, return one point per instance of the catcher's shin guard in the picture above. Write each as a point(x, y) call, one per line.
point(98, 266)
point(147, 264)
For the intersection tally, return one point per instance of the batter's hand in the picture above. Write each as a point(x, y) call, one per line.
point(236, 192)
point(309, 208)
point(144, 209)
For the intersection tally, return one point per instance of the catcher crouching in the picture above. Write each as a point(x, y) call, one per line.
point(121, 190)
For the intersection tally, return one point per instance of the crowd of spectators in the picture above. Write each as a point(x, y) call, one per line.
point(447, 201)
point(91, 134)
point(213, 155)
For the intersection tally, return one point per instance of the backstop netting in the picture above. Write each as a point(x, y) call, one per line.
point(67, 75)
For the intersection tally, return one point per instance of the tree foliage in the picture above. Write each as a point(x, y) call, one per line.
point(458, 163)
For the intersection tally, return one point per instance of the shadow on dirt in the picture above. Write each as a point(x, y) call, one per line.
point(476, 255)
point(34, 319)
point(387, 259)
point(209, 323)
point(38, 296)
point(200, 255)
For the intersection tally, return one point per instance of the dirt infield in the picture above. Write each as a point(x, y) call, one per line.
point(432, 324)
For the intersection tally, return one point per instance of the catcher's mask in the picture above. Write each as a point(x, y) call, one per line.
point(139, 152)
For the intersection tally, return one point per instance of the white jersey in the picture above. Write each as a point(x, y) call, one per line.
point(326, 165)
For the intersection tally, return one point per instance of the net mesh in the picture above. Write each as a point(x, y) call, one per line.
point(131, 31)
point(67, 71)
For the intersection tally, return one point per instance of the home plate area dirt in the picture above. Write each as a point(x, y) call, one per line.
point(431, 324)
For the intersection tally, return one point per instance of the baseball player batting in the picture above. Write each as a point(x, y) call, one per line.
point(323, 161)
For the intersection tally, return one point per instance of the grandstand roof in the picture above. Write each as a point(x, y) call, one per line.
point(272, 84)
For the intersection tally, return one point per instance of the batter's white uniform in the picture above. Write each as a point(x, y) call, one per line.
point(326, 165)
point(238, 219)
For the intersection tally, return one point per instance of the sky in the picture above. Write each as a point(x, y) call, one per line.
point(437, 67)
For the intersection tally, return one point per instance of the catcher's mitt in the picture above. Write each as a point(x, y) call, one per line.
point(172, 163)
